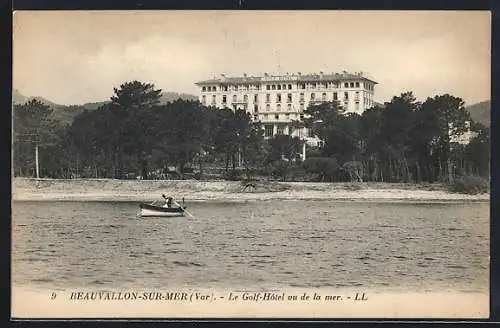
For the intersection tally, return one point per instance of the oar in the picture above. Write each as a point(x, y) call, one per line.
point(183, 209)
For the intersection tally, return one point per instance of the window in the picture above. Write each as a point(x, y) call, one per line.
point(289, 98)
point(301, 97)
point(224, 99)
point(278, 107)
point(225, 88)
point(346, 95)
point(356, 97)
point(302, 86)
point(278, 97)
point(301, 116)
point(280, 130)
point(301, 107)
point(352, 84)
point(268, 97)
point(235, 88)
point(323, 96)
point(279, 86)
point(268, 87)
point(289, 107)
point(214, 88)
point(357, 84)
point(268, 107)
point(245, 98)
point(213, 99)
point(357, 106)
point(277, 117)
point(310, 133)
point(268, 130)
point(345, 104)
point(204, 89)
point(273, 87)
point(234, 98)
point(313, 95)
point(255, 98)
point(256, 117)
point(256, 108)
point(284, 86)
point(204, 99)
point(289, 87)
point(335, 96)
point(346, 85)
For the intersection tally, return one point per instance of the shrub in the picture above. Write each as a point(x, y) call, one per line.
point(233, 175)
point(470, 185)
point(324, 167)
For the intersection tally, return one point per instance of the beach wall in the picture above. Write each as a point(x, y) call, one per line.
point(192, 190)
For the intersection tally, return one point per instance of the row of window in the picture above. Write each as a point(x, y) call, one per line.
point(289, 97)
point(322, 85)
point(232, 88)
point(368, 103)
point(303, 86)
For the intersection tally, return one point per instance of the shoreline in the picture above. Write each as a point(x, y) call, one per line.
point(26, 189)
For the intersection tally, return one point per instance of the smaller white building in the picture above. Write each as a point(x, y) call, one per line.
point(463, 138)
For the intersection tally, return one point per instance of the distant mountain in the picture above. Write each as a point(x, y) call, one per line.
point(172, 96)
point(66, 113)
point(94, 105)
point(481, 112)
point(18, 97)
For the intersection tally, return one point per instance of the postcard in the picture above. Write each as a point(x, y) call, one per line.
point(251, 164)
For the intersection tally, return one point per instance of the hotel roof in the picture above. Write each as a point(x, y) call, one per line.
point(298, 77)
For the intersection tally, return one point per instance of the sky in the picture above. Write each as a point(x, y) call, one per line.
point(74, 57)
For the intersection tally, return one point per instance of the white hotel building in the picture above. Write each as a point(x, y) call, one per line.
point(276, 101)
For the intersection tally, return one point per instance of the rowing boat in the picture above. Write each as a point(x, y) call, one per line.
point(148, 210)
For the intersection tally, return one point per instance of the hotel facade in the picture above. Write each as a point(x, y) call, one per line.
point(278, 101)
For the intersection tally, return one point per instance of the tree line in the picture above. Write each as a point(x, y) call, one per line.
point(135, 135)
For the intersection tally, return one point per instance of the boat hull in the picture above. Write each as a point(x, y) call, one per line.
point(159, 211)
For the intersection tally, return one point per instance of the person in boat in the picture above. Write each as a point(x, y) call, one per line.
point(168, 200)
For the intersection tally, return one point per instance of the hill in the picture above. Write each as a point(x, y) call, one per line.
point(172, 96)
point(481, 112)
point(66, 113)
point(18, 97)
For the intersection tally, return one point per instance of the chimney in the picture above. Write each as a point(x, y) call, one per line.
point(223, 75)
point(244, 74)
point(265, 74)
point(299, 73)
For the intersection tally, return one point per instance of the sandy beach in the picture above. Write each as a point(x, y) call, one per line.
point(131, 190)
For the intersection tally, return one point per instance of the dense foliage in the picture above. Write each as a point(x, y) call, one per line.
point(136, 135)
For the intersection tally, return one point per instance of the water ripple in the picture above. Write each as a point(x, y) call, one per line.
point(407, 246)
